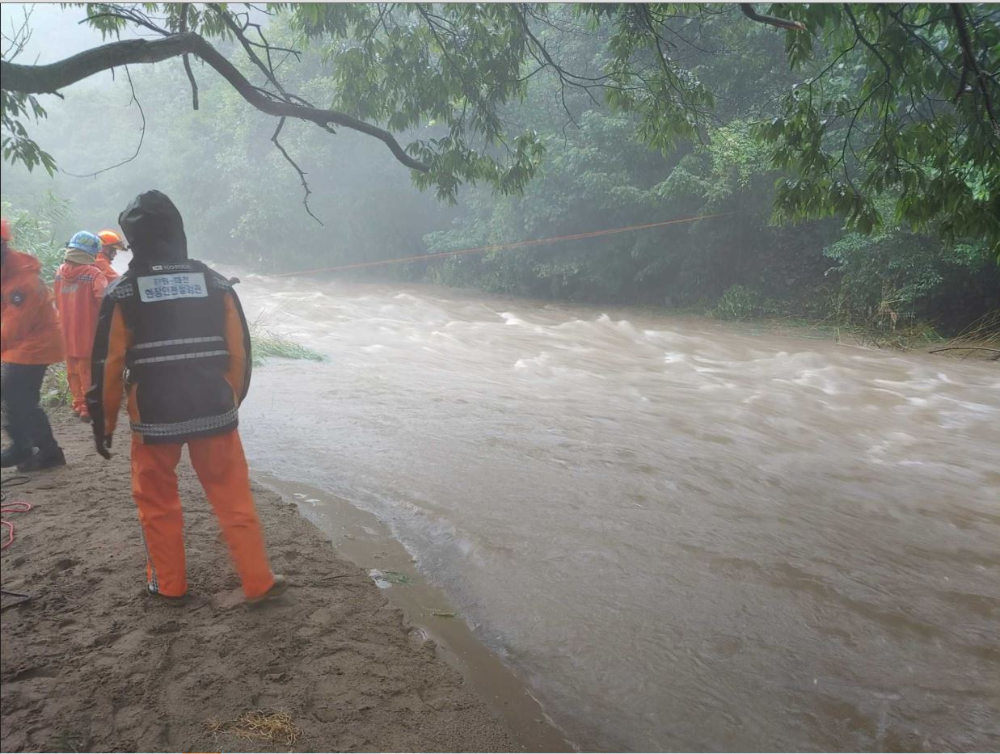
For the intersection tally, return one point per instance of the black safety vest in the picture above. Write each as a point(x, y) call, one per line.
point(177, 357)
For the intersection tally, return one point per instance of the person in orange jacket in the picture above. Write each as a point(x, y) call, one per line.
point(29, 343)
point(175, 327)
point(111, 244)
point(79, 288)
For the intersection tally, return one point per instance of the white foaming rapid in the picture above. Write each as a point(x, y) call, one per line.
point(682, 535)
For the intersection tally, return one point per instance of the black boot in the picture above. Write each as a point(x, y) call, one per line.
point(43, 459)
point(27, 424)
point(13, 456)
point(19, 449)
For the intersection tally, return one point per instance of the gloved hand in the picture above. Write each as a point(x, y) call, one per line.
point(103, 444)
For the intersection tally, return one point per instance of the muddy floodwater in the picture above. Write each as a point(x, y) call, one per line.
point(680, 534)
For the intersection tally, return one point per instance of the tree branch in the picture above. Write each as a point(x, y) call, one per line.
point(781, 23)
point(142, 137)
point(909, 29)
point(131, 15)
point(970, 59)
point(267, 70)
point(49, 79)
point(884, 114)
point(302, 175)
point(19, 37)
point(187, 61)
point(970, 348)
point(669, 75)
point(861, 38)
point(961, 83)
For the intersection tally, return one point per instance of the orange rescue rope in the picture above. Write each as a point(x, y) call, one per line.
point(16, 507)
point(500, 247)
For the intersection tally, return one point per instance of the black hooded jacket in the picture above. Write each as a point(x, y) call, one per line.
point(172, 331)
point(154, 229)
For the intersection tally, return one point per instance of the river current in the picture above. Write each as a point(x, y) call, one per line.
point(681, 534)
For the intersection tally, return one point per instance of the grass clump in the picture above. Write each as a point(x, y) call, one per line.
point(269, 345)
point(55, 386)
point(981, 339)
point(272, 727)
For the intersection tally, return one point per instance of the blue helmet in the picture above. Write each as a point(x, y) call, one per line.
point(85, 242)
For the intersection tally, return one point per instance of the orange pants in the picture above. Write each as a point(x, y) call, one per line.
point(222, 470)
point(78, 376)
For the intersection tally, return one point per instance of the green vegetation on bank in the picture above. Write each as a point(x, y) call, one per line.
point(37, 230)
point(55, 387)
point(265, 344)
point(270, 345)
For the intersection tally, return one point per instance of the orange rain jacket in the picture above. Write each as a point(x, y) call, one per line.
point(104, 265)
point(29, 324)
point(79, 289)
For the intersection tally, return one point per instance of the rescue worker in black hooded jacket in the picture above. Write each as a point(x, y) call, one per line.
point(172, 333)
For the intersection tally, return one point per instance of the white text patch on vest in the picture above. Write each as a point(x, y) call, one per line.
point(173, 286)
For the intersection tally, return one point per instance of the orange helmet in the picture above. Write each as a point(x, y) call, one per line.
point(5, 233)
point(110, 238)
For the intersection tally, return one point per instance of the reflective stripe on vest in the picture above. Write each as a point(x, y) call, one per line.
point(176, 349)
point(179, 342)
point(180, 357)
point(189, 427)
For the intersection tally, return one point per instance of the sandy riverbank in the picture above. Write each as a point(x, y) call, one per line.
point(92, 663)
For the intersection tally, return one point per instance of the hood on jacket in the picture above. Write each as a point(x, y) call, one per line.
point(78, 257)
point(17, 262)
point(71, 270)
point(154, 229)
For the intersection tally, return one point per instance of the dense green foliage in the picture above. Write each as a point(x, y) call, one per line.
point(750, 262)
point(844, 172)
point(37, 230)
point(901, 107)
point(16, 145)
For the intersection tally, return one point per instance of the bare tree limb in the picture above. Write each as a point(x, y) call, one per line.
point(194, 84)
point(302, 174)
point(19, 37)
point(142, 137)
point(266, 45)
point(267, 70)
point(544, 59)
point(187, 61)
point(566, 76)
point(781, 23)
point(49, 79)
point(970, 348)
